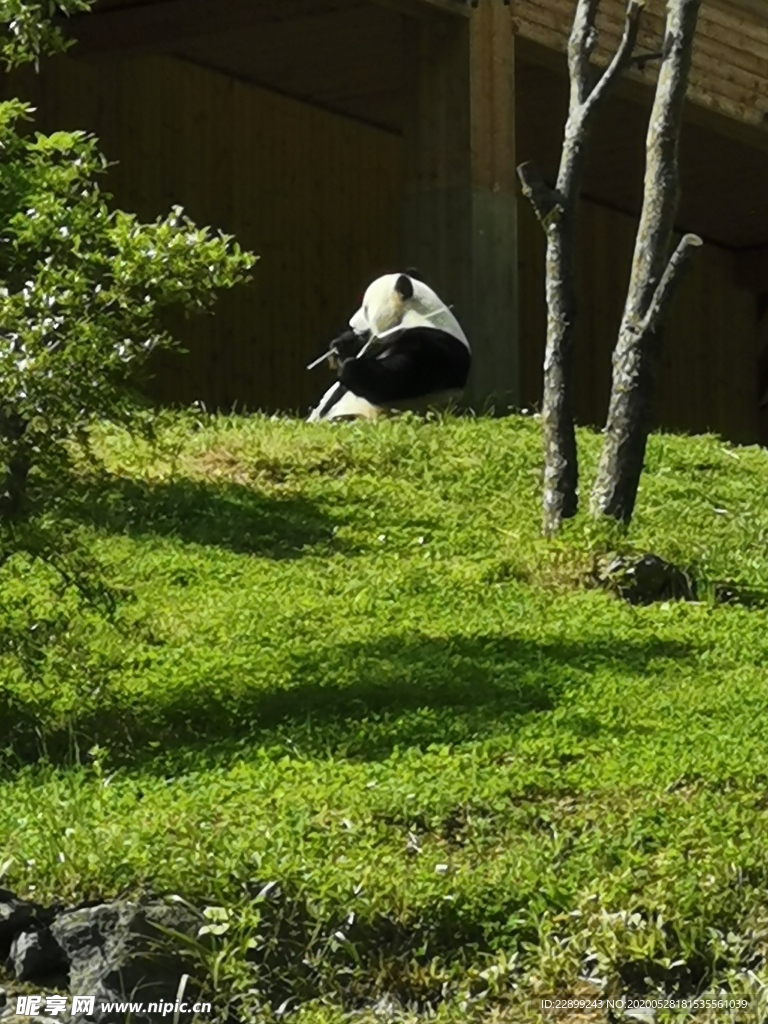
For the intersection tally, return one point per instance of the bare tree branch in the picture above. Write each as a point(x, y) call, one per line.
point(653, 279)
point(662, 175)
point(581, 44)
point(623, 56)
point(556, 211)
point(544, 200)
point(641, 59)
point(667, 286)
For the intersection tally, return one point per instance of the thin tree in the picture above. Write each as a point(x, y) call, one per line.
point(654, 278)
point(556, 210)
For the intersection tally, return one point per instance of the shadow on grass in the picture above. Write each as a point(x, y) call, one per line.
point(409, 691)
point(225, 514)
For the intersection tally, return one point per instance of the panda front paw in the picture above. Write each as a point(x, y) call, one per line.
point(346, 346)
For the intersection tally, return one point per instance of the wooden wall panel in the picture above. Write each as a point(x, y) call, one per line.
point(316, 195)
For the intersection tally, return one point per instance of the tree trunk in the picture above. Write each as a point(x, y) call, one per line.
point(561, 467)
point(556, 210)
point(653, 282)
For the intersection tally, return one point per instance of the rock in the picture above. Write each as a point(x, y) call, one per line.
point(36, 956)
point(17, 915)
point(119, 951)
point(116, 952)
point(647, 579)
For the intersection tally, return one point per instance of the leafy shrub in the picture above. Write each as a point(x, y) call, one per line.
point(81, 287)
point(83, 290)
point(28, 29)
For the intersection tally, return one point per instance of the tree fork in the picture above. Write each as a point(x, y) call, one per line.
point(555, 209)
point(653, 282)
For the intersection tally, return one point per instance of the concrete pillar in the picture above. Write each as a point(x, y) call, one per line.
point(460, 209)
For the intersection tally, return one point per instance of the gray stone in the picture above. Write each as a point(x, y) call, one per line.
point(36, 956)
point(119, 951)
point(17, 915)
point(648, 578)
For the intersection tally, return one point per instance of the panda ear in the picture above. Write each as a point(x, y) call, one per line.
point(404, 287)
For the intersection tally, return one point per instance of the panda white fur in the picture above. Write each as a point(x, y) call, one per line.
point(418, 356)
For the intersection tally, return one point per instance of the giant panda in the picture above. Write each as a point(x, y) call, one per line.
point(404, 350)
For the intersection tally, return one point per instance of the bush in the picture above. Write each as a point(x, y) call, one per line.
point(82, 290)
point(81, 287)
point(28, 29)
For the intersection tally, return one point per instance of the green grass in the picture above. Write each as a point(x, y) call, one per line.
point(345, 663)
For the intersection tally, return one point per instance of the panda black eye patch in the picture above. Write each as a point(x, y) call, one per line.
point(404, 287)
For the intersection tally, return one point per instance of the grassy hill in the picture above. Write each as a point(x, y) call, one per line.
point(400, 746)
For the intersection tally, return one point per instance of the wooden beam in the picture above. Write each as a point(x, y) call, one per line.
point(757, 8)
point(162, 26)
point(729, 73)
point(460, 222)
point(752, 269)
point(637, 90)
point(428, 8)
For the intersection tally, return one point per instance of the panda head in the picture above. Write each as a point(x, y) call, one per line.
point(384, 304)
point(403, 300)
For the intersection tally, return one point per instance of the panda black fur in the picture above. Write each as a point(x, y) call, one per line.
point(428, 354)
point(421, 361)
